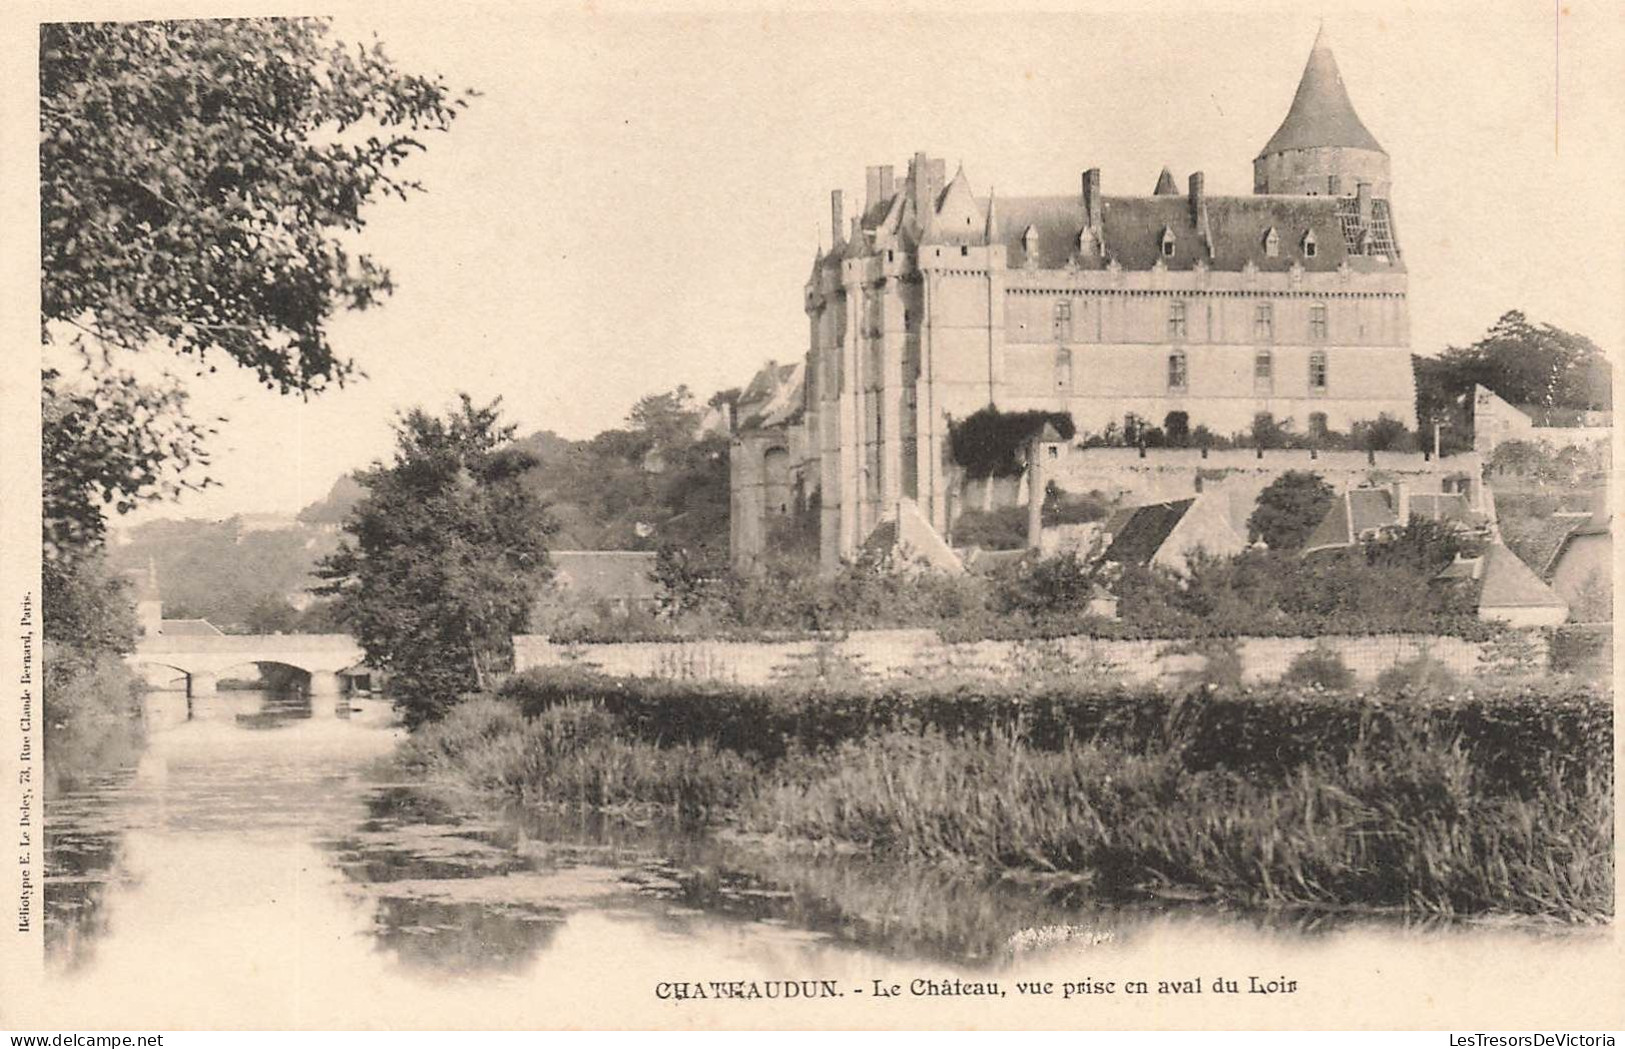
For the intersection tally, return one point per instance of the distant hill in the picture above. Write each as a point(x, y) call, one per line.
point(660, 480)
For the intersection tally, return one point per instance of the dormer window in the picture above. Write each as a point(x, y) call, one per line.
point(1272, 243)
point(1086, 240)
point(1029, 241)
point(1167, 243)
point(1309, 246)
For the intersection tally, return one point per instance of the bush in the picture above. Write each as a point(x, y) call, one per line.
point(1321, 667)
point(1422, 676)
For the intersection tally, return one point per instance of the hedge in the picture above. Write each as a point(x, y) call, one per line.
point(1519, 736)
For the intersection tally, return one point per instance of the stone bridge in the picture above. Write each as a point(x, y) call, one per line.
point(203, 658)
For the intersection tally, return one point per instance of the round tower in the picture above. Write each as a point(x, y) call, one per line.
point(1321, 148)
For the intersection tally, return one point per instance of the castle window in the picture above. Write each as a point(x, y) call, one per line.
point(1264, 321)
point(1272, 243)
point(1317, 322)
point(1317, 425)
point(1317, 372)
point(1029, 242)
point(1177, 371)
point(1176, 320)
point(1167, 243)
point(1063, 370)
point(890, 255)
point(963, 250)
point(1309, 245)
point(1063, 320)
point(1263, 370)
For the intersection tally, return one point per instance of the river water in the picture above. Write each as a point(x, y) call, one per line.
point(262, 865)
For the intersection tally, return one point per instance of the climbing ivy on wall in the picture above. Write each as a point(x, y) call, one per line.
point(992, 443)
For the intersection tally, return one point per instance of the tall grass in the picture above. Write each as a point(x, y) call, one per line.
point(1405, 825)
point(1500, 803)
point(572, 755)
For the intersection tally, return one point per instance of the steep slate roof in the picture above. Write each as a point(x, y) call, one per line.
point(1133, 233)
point(775, 396)
point(1509, 583)
point(1139, 532)
point(607, 574)
point(1321, 113)
point(1165, 185)
point(1361, 509)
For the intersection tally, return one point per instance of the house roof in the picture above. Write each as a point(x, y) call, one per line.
point(1165, 185)
point(608, 574)
point(1321, 113)
point(189, 628)
point(1599, 523)
point(1139, 532)
point(1360, 510)
point(1509, 583)
point(774, 397)
point(1133, 228)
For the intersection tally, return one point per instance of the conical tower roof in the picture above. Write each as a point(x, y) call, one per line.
point(1165, 185)
point(1321, 113)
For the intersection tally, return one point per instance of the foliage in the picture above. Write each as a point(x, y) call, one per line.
point(1421, 676)
point(1061, 583)
point(1514, 730)
point(92, 714)
point(443, 559)
point(1383, 434)
point(991, 443)
point(1320, 667)
point(1289, 508)
point(199, 180)
point(110, 439)
point(88, 608)
point(1423, 546)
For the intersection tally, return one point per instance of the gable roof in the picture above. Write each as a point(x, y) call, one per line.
point(1321, 113)
point(774, 397)
point(1359, 510)
point(1139, 532)
point(1509, 583)
point(607, 574)
point(1599, 523)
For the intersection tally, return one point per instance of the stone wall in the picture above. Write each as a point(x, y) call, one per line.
point(888, 654)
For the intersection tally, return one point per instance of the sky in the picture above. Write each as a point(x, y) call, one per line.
point(634, 201)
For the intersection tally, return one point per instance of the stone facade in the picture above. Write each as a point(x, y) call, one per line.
point(934, 302)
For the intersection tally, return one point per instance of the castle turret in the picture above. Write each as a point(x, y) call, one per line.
point(1321, 148)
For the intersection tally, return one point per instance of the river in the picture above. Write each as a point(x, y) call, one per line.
point(262, 865)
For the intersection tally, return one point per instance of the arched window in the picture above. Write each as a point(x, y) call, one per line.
point(1317, 322)
point(1176, 319)
point(1178, 374)
point(1317, 372)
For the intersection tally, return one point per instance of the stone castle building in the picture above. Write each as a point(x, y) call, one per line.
point(1174, 307)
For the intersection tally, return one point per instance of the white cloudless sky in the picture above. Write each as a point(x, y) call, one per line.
point(634, 200)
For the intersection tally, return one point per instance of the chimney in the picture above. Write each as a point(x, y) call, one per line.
point(1199, 210)
point(837, 216)
point(1402, 502)
point(919, 174)
point(1362, 197)
point(1093, 207)
point(871, 187)
point(887, 185)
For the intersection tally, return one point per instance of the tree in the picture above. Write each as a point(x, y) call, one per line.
point(1289, 508)
point(200, 186)
point(443, 558)
point(1524, 363)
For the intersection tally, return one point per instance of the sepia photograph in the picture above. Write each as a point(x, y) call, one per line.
point(534, 516)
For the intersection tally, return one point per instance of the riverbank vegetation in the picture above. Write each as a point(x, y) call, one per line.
point(1427, 799)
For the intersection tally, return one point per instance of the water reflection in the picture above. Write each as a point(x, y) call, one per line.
point(260, 848)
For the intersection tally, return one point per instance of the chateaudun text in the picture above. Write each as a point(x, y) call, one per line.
point(955, 987)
